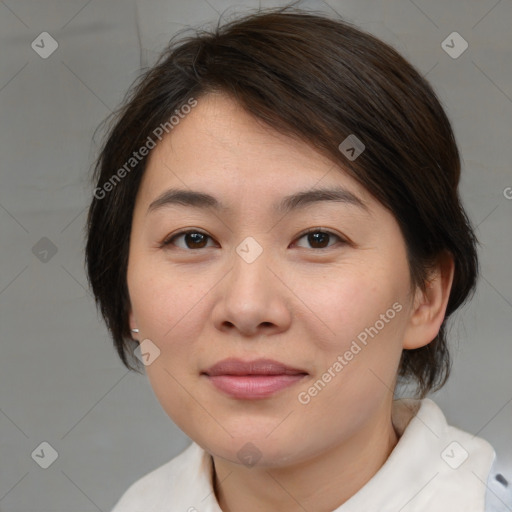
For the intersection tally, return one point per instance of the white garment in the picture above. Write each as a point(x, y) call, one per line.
point(433, 468)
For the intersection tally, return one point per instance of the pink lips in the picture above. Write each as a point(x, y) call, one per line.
point(251, 380)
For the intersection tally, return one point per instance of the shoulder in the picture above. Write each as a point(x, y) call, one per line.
point(163, 483)
point(482, 462)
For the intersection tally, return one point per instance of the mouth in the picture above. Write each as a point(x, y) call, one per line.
point(252, 380)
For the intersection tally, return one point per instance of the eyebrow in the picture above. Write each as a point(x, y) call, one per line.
point(291, 202)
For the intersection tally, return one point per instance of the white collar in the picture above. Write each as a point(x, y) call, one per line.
point(425, 472)
point(434, 466)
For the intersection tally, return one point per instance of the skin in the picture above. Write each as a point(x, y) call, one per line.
point(298, 303)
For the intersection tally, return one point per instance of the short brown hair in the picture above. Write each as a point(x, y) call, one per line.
point(320, 80)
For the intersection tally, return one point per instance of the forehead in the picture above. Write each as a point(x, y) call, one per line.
point(220, 147)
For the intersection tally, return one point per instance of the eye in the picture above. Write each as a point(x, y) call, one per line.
point(191, 239)
point(319, 238)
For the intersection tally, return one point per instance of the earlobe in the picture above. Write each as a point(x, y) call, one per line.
point(429, 306)
point(132, 323)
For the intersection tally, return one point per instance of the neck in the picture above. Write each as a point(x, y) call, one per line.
point(321, 484)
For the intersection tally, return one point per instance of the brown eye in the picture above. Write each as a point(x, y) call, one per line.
point(191, 240)
point(319, 239)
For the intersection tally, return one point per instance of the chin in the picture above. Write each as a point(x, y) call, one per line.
point(255, 450)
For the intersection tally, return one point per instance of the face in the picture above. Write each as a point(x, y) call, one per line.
point(304, 303)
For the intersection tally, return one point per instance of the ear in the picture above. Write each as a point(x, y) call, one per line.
point(429, 306)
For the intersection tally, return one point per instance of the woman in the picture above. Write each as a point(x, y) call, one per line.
point(276, 234)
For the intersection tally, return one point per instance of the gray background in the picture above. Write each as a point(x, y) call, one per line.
point(60, 380)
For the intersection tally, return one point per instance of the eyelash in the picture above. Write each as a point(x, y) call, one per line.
point(168, 241)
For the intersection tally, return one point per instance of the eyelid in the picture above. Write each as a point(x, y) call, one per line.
point(319, 229)
point(168, 239)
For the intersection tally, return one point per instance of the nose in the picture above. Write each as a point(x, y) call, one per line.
point(252, 300)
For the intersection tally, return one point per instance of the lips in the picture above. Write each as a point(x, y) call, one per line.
point(250, 380)
point(256, 367)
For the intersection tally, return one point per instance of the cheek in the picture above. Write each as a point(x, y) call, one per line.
point(355, 303)
point(366, 315)
point(170, 312)
point(359, 360)
point(164, 302)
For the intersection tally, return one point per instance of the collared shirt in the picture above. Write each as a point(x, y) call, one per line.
point(433, 468)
